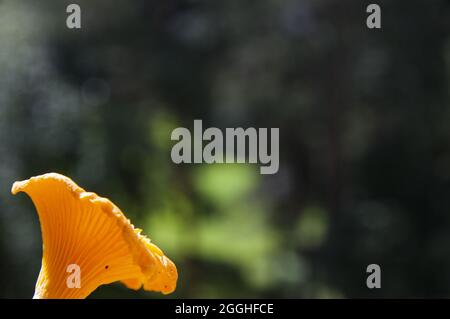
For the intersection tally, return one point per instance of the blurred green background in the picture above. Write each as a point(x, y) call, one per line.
point(364, 139)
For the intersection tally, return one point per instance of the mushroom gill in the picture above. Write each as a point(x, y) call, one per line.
point(83, 229)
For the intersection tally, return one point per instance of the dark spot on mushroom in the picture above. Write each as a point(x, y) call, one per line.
point(107, 266)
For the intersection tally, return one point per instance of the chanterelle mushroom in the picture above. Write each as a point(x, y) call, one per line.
point(80, 228)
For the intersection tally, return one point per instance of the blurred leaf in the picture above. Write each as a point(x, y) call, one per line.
point(312, 227)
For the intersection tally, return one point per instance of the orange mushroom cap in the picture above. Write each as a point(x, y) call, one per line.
point(87, 230)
